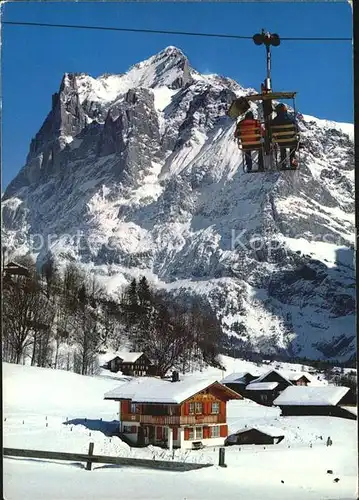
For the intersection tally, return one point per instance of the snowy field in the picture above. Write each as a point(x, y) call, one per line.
point(62, 411)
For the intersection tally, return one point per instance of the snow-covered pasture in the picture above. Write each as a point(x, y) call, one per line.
point(38, 402)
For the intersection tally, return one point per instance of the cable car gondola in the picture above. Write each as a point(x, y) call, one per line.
point(271, 142)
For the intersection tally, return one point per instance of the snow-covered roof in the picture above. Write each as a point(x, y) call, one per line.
point(262, 377)
point(311, 396)
point(154, 390)
point(295, 375)
point(105, 358)
point(262, 386)
point(234, 377)
point(351, 409)
point(127, 357)
point(266, 429)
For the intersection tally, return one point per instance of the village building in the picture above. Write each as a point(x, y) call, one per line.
point(273, 376)
point(129, 363)
point(266, 388)
point(114, 364)
point(256, 435)
point(328, 400)
point(175, 413)
point(263, 393)
point(238, 381)
point(298, 378)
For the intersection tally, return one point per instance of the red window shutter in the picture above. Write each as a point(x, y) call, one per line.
point(222, 408)
point(186, 408)
point(223, 430)
point(206, 432)
point(175, 433)
point(186, 434)
point(159, 432)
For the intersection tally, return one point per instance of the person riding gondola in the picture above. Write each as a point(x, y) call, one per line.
point(249, 131)
point(284, 133)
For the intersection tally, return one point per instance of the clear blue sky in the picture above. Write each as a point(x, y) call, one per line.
point(34, 59)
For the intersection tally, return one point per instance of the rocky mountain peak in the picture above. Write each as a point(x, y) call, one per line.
point(143, 165)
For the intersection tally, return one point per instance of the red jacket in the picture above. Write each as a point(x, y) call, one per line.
point(248, 127)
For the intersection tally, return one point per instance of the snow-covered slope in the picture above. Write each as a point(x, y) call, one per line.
point(56, 410)
point(139, 174)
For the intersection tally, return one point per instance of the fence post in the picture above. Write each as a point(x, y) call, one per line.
point(221, 457)
point(89, 463)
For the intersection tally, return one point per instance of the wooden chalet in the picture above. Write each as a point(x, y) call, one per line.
point(174, 413)
point(266, 388)
point(328, 400)
point(256, 435)
point(129, 363)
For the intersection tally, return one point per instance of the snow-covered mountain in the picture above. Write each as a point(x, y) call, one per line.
point(138, 173)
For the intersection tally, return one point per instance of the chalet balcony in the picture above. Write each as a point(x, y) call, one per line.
point(173, 420)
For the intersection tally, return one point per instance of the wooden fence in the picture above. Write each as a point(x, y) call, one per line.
point(90, 458)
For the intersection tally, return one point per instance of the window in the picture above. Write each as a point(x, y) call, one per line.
point(129, 429)
point(191, 433)
point(191, 408)
point(199, 432)
point(198, 407)
point(133, 407)
point(215, 431)
point(215, 407)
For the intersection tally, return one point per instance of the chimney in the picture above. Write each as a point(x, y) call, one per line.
point(175, 377)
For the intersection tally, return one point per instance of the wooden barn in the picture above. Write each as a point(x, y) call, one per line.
point(273, 376)
point(330, 400)
point(266, 388)
point(174, 413)
point(256, 435)
point(263, 393)
point(238, 381)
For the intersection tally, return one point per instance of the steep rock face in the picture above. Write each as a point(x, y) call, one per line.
point(139, 173)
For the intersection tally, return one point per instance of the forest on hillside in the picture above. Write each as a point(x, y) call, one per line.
point(64, 319)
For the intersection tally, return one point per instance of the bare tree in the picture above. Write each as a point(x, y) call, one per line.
point(23, 306)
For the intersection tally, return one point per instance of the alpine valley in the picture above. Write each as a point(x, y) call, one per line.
point(138, 174)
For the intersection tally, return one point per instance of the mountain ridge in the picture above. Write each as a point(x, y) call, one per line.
point(144, 173)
